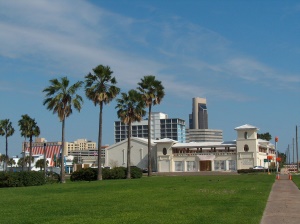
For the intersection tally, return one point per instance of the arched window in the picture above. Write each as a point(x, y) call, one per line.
point(164, 151)
point(246, 135)
point(246, 148)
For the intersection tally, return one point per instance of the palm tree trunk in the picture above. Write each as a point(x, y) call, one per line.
point(62, 165)
point(128, 151)
point(6, 150)
point(30, 152)
point(99, 177)
point(23, 162)
point(149, 143)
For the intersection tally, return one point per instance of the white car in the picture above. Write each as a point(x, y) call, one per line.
point(258, 168)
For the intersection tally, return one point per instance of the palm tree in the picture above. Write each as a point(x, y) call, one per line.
point(28, 128)
point(40, 164)
point(23, 124)
point(7, 130)
point(152, 93)
point(3, 158)
point(131, 108)
point(101, 89)
point(60, 98)
point(11, 162)
point(25, 161)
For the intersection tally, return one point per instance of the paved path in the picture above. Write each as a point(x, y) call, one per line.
point(283, 206)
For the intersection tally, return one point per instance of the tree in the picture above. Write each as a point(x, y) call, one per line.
point(131, 108)
point(3, 159)
point(40, 163)
point(25, 161)
point(101, 89)
point(152, 93)
point(11, 162)
point(60, 98)
point(7, 130)
point(28, 128)
point(265, 136)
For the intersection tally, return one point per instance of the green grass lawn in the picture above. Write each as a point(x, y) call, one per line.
point(181, 199)
point(296, 179)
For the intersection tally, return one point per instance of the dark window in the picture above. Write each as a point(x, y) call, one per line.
point(246, 148)
point(164, 151)
point(246, 135)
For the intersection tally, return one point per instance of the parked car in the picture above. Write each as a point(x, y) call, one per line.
point(258, 168)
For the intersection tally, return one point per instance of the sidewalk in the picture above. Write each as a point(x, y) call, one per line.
point(283, 204)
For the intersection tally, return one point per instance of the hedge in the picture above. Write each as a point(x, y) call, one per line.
point(21, 179)
point(90, 174)
point(272, 170)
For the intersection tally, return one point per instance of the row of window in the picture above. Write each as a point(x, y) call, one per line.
point(218, 165)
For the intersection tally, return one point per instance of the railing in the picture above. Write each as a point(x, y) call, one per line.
point(205, 153)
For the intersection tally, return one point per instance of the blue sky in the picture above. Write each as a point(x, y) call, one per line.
point(242, 56)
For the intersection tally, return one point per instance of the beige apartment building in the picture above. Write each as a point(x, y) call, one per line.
point(79, 144)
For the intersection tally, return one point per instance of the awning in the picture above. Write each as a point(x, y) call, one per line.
point(206, 157)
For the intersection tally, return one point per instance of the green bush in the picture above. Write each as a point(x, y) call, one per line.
point(135, 172)
point(90, 174)
point(52, 177)
point(21, 179)
point(106, 173)
point(117, 173)
point(273, 170)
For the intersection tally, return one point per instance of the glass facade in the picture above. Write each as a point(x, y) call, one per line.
point(173, 128)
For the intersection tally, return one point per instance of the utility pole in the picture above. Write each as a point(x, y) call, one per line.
point(297, 147)
point(288, 153)
point(293, 154)
point(276, 154)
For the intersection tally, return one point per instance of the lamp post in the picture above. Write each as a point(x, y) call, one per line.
point(276, 153)
point(297, 147)
point(45, 159)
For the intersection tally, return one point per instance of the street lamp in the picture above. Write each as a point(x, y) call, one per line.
point(297, 147)
point(276, 153)
point(45, 159)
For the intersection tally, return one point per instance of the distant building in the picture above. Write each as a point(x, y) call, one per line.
point(82, 150)
point(204, 135)
point(199, 117)
point(198, 124)
point(79, 144)
point(161, 127)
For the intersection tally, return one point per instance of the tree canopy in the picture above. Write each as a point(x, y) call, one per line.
point(264, 136)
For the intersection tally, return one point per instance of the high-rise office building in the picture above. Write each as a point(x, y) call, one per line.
point(161, 127)
point(199, 117)
point(198, 124)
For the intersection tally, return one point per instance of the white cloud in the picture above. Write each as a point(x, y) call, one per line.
point(74, 37)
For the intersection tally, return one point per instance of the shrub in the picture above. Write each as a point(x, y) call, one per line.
point(20, 179)
point(135, 172)
point(105, 173)
point(87, 174)
point(273, 170)
point(117, 173)
point(52, 177)
point(90, 174)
